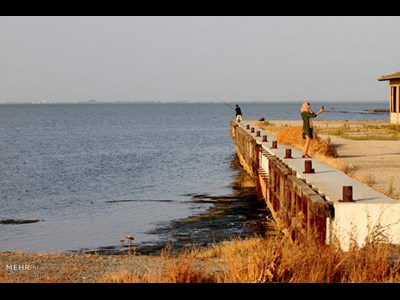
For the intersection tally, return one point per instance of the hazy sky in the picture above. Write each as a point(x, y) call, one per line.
point(195, 58)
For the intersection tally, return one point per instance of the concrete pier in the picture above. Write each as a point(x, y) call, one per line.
point(309, 197)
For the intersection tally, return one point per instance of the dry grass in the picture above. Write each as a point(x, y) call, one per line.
point(363, 132)
point(277, 260)
point(292, 136)
point(250, 260)
point(173, 269)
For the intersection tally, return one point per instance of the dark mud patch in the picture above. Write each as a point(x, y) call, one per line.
point(17, 221)
point(137, 200)
point(237, 215)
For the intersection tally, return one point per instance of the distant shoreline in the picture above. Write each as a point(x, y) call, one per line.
point(182, 102)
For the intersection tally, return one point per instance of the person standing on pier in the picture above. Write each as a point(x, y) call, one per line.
point(238, 114)
point(308, 131)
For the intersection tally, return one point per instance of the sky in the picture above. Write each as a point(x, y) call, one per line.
point(197, 58)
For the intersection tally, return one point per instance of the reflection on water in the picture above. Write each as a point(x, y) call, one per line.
point(242, 178)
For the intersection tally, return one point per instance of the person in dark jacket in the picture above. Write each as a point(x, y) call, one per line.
point(239, 117)
point(308, 131)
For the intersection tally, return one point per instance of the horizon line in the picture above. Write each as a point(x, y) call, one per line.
point(180, 101)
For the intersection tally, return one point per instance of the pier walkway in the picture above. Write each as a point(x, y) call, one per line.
point(305, 194)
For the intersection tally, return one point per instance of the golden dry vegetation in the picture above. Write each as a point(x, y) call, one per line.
point(274, 260)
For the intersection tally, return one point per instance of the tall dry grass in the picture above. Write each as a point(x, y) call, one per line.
point(274, 260)
point(173, 269)
point(292, 136)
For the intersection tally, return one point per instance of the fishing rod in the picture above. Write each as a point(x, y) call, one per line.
point(225, 103)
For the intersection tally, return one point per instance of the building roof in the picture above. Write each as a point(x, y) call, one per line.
point(391, 76)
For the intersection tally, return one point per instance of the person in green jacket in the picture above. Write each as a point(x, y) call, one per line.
point(307, 115)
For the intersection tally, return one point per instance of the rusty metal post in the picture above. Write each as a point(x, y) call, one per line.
point(347, 194)
point(274, 145)
point(308, 167)
point(265, 138)
point(252, 129)
point(288, 153)
point(258, 133)
point(247, 126)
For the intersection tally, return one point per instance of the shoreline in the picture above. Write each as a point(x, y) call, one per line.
point(377, 159)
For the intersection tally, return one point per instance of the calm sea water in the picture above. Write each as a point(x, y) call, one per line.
point(82, 176)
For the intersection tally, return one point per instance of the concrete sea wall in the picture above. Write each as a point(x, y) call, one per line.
point(309, 199)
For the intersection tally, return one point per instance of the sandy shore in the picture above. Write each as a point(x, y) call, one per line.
point(87, 268)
